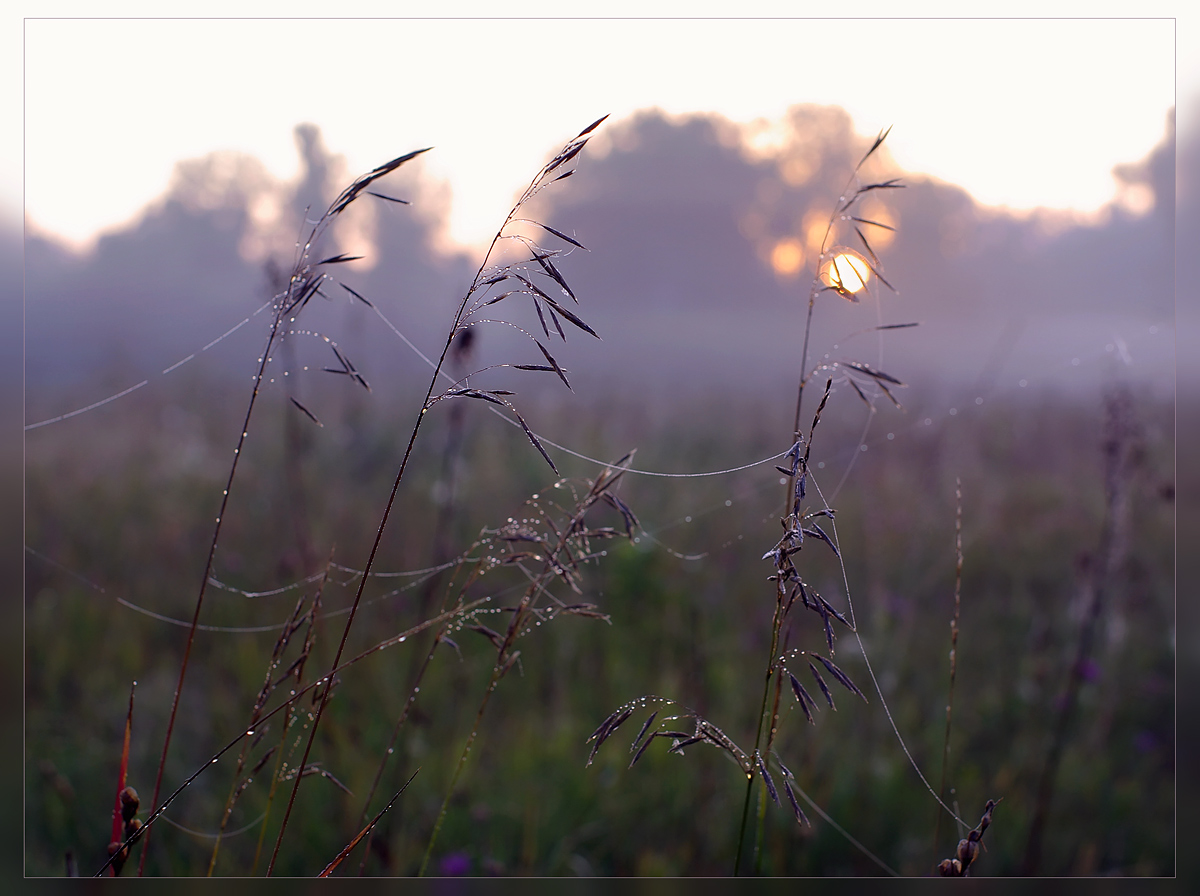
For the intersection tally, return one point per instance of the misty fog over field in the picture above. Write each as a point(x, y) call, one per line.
point(684, 281)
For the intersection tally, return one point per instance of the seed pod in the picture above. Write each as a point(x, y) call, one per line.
point(967, 851)
point(119, 856)
point(129, 803)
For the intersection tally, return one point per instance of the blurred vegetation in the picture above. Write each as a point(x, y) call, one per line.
point(124, 499)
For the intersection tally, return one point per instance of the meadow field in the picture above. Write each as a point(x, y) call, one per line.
point(1011, 558)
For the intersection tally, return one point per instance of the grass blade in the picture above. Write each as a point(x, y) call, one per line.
point(554, 364)
point(591, 127)
point(307, 413)
point(341, 856)
point(534, 439)
point(560, 234)
point(645, 727)
point(874, 146)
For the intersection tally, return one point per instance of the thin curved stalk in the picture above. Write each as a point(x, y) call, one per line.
point(302, 285)
point(790, 485)
point(408, 705)
point(328, 680)
point(937, 828)
point(208, 566)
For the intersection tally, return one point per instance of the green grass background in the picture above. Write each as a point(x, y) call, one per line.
point(130, 507)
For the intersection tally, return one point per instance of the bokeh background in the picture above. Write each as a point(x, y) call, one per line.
point(1046, 337)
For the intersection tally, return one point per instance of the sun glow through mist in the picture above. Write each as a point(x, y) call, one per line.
point(787, 258)
point(847, 269)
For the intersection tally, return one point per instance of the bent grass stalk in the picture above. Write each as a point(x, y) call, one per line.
point(479, 289)
point(833, 274)
point(794, 485)
point(305, 281)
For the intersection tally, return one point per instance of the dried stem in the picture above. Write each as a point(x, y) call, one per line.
point(1121, 454)
point(937, 828)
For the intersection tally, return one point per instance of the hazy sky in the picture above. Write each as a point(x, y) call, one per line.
point(1021, 112)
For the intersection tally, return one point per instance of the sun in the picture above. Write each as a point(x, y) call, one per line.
point(847, 269)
